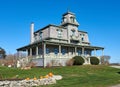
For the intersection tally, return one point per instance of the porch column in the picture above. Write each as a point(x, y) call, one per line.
point(75, 51)
point(18, 54)
point(94, 52)
point(89, 60)
point(36, 50)
point(44, 53)
point(69, 52)
point(59, 51)
point(83, 51)
point(27, 55)
point(30, 51)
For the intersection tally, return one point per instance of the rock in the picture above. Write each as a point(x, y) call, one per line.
point(57, 77)
point(1, 84)
point(9, 65)
point(31, 82)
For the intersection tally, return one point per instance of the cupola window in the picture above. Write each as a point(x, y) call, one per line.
point(64, 20)
point(72, 19)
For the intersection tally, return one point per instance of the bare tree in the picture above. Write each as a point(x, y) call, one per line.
point(105, 59)
point(10, 60)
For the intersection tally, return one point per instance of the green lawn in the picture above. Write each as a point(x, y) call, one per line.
point(73, 76)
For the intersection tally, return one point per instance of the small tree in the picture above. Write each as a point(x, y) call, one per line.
point(2, 53)
point(78, 60)
point(94, 60)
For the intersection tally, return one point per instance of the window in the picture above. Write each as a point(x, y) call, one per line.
point(47, 51)
point(56, 51)
point(63, 51)
point(40, 51)
point(72, 19)
point(40, 35)
point(0, 55)
point(72, 51)
point(73, 32)
point(64, 20)
point(85, 52)
point(82, 38)
point(79, 52)
point(35, 38)
point(59, 31)
point(82, 35)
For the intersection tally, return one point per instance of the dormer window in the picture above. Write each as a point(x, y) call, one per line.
point(59, 31)
point(82, 38)
point(82, 35)
point(40, 35)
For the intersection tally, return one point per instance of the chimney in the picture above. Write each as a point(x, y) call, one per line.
point(31, 33)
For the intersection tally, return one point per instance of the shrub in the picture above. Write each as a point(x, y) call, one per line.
point(48, 65)
point(94, 60)
point(70, 62)
point(78, 60)
point(31, 64)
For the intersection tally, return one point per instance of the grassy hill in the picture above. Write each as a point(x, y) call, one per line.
point(73, 76)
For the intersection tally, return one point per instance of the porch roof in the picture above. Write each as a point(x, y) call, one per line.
point(59, 43)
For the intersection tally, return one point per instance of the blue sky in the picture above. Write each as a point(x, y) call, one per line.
point(100, 18)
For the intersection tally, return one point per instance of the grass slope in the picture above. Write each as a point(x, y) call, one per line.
point(74, 76)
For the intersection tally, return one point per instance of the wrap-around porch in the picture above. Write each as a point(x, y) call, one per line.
point(48, 52)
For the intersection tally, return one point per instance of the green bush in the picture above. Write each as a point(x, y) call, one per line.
point(94, 60)
point(78, 60)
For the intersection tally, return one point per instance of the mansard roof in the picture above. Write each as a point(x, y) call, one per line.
point(49, 26)
point(55, 26)
point(82, 31)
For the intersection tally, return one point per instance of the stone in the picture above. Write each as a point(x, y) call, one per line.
point(57, 77)
point(31, 82)
point(9, 65)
